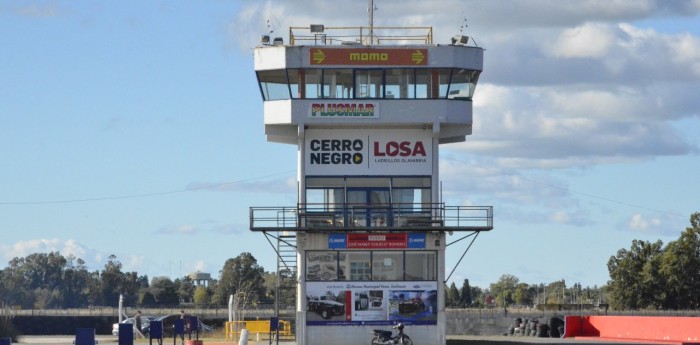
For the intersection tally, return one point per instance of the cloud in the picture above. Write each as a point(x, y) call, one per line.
point(657, 224)
point(591, 40)
point(192, 229)
point(66, 248)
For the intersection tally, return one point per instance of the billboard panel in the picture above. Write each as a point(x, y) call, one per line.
point(377, 241)
point(368, 152)
point(368, 56)
point(371, 303)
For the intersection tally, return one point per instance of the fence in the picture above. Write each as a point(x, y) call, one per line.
point(260, 327)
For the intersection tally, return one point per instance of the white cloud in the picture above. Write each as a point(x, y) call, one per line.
point(657, 224)
point(66, 248)
point(591, 40)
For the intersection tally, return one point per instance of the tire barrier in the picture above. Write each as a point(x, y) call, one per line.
point(552, 328)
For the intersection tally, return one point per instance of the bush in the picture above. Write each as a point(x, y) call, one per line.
point(7, 329)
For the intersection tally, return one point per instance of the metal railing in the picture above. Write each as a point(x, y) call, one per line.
point(361, 35)
point(361, 217)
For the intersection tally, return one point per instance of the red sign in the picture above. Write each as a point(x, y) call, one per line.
point(377, 241)
point(368, 56)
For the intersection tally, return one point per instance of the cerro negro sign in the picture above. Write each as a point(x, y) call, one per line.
point(368, 152)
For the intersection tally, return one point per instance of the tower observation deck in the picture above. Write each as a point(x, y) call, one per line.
point(368, 109)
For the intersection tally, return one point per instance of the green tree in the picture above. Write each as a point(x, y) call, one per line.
point(679, 269)
point(452, 296)
point(201, 296)
point(243, 276)
point(465, 294)
point(522, 295)
point(165, 291)
point(504, 289)
point(146, 299)
point(633, 276)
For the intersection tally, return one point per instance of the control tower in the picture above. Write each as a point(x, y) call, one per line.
point(368, 109)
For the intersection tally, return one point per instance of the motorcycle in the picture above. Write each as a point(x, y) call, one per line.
point(382, 337)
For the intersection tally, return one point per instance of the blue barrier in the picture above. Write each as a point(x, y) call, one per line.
point(85, 336)
point(126, 334)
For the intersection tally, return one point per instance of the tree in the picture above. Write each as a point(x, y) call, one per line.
point(679, 268)
point(521, 295)
point(465, 295)
point(243, 276)
point(504, 289)
point(201, 296)
point(634, 280)
point(165, 291)
point(452, 296)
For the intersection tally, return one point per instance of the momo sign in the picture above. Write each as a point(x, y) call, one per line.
point(368, 56)
point(368, 152)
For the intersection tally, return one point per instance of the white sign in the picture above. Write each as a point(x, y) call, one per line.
point(368, 152)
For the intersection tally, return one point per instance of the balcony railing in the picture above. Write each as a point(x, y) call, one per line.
point(363, 217)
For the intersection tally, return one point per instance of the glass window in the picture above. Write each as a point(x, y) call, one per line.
point(321, 265)
point(360, 265)
point(443, 78)
point(398, 81)
point(387, 265)
point(295, 80)
point(421, 85)
point(461, 85)
point(312, 78)
point(369, 83)
point(274, 84)
point(337, 83)
point(421, 265)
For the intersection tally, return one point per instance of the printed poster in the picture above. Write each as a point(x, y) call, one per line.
point(371, 303)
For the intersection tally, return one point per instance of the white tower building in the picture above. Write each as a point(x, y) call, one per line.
point(368, 120)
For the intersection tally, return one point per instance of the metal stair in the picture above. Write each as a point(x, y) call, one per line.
point(286, 284)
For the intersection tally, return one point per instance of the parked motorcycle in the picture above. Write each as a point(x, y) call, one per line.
point(382, 337)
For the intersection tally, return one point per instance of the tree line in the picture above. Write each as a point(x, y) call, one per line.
point(646, 276)
point(52, 281)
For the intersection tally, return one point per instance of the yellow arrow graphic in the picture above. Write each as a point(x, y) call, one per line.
point(319, 56)
point(417, 57)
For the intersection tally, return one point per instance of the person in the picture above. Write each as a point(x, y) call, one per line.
point(137, 319)
point(186, 321)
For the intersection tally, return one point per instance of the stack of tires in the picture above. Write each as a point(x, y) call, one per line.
point(542, 330)
point(532, 329)
point(553, 328)
point(556, 327)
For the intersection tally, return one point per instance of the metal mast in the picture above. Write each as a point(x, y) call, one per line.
point(370, 13)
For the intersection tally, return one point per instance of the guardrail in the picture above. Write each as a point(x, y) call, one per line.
point(361, 217)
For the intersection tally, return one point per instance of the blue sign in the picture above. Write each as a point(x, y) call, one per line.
point(416, 241)
point(337, 241)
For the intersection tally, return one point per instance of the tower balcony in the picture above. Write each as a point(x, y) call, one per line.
point(363, 217)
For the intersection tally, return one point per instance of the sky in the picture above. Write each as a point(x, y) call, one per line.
point(135, 129)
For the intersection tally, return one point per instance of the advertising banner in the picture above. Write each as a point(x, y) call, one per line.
point(368, 152)
point(344, 110)
point(376, 241)
point(371, 303)
point(368, 56)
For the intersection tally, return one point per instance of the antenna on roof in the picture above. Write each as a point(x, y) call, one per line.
point(462, 28)
point(370, 12)
point(271, 27)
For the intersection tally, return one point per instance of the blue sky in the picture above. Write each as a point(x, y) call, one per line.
point(135, 129)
